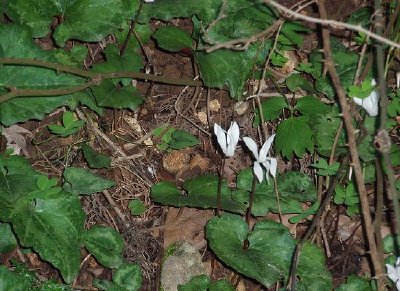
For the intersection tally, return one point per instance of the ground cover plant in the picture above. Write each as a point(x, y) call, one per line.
point(212, 145)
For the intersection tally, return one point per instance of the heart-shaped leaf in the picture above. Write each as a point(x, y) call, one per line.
point(267, 258)
point(268, 254)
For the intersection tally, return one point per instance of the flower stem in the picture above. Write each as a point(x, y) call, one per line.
point(252, 193)
point(220, 180)
point(278, 200)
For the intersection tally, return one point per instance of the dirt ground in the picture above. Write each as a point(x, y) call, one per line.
point(137, 164)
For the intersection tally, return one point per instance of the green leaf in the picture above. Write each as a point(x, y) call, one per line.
point(137, 207)
point(292, 187)
point(181, 139)
point(391, 244)
point(345, 63)
point(166, 135)
point(128, 276)
point(11, 281)
point(79, 22)
point(230, 68)
point(51, 226)
point(311, 269)
point(295, 82)
point(267, 259)
point(8, 242)
point(355, 283)
point(173, 39)
point(242, 19)
point(297, 185)
point(324, 169)
point(310, 106)
point(80, 181)
point(361, 91)
point(200, 192)
point(70, 125)
point(206, 10)
point(325, 127)
point(105, 244)
point(95, 160)
point(294, 135)
point(310, 211)
point(268, 255)
point(16, 42)
point(109, 95)
point(271, 108)
point(131, 61)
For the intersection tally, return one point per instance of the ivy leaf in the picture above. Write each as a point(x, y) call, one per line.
point(109, 95)
point(181, 139)
point(80, 181)
point(173, 39)
point(295, 82)
point(137, 207)
point(52, 226)
point(355, 283)
point(16, 42)
point(12, 281)
point(70, 125)
point(105, 244)
point(361, 91)
point(128, 276)
point(271, 108)
point(230, 68)
point(310, 105)
point(294, 135)
point(200, 192)
point(268, 255)
point(130, 61)
point(95, 160)
point(8, 242)
point(324, 169)
point(325, 127)
point(79, 22)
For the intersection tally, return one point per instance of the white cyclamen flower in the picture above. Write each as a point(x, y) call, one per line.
point(370, 104)
point(270, 164)
point(227, 140)
point(394, 273)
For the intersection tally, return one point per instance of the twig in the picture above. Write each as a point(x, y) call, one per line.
point(382, 139)
point(95, 78)
point(333, 23)
point(366, 215)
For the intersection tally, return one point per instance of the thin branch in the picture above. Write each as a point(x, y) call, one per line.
point(366, 215)
point(96, 78)
point(333, 23)
point(14, 92)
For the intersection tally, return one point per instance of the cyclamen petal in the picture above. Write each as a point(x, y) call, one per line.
point(227, 140)
point(371, 103)
point(265, 148)
point(258, 171)
point(232, 139)
point(394, 273)
point(270, 164)
point(273, 167)
point(251, 145)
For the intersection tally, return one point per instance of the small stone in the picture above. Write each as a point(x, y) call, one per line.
point(241, 107)
point(199, 161)
point(148, 142)
point(214, 105)
point(181, 266)
point(175, 161)
point(202, 116)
